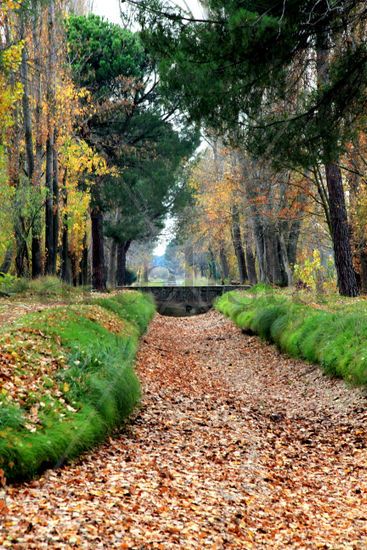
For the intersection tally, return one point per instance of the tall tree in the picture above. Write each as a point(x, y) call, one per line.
point(254, 54)
point(130, 128)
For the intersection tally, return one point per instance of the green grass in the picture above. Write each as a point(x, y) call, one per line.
point(335, 339)
point(49, 288)
point(73, 407)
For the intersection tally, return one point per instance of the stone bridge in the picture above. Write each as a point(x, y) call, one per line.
point(185, 300)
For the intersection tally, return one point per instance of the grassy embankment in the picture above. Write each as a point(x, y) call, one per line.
point(332, 333)
point(67, 379)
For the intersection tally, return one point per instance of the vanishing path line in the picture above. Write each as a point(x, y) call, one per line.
point(235, 446)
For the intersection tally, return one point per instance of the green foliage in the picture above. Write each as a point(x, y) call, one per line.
point(133, 131)
point(98, 386)
point(130, 277)
point(337, 342)
point(100, 52)
point(313, 274)
point(247, 54)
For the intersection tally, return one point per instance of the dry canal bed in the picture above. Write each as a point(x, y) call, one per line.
point(234, 446)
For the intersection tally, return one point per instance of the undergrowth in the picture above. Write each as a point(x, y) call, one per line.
point(338, 342)
point(48, 287)
point(68, 380)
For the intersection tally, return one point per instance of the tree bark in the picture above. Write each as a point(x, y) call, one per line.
point(65, 258)
point(363, 262)
point(51, 158)
point(213, 274)
point(28, 136)
point(84, 271)
point(285, 260)
point(122, 249)
point(49, 226)
point(64, 253)
point(251, 265)
point(8, 258)
point(223, 262)
point(112, 268)
point(237, 245)
point(55, 212)
point(98, 257)
point(347, 281)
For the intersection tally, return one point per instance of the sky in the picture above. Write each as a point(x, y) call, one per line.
point(110, 9)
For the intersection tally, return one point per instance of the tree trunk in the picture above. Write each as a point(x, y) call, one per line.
point(285, 260)
point(98, 259)
point(251, 266)
point(55, 212)
point(363, 262)
point(22, 255)
point(8, 258)
point(64, 253)
point(122, 249)
point(28, 136)
point(292, 244)
point(237, 245)
point(212, 266)
point(347, 281)
point(65, 258)
point(259, 244)
point(84, 271)
point(145, 273)
point(49, 225)
point(51, 162)
point(112, 265)
point(224, 262)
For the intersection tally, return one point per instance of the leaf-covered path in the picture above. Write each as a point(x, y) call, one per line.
point(235, 446)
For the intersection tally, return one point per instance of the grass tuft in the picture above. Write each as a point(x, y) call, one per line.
point(338, 342)
point(81, 377)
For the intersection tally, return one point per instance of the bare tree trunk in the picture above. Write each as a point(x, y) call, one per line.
point(98, 258)
point(49, 233)
point(347, 282)
point(8, 258)
point(284, 253)
point(223, 262)
point(112, 264)
point(51, 161)
point(84, 271)
point(28, 136)
point(145, 273)
point(251, 265)
point(55, 213)
point(363, 261)
point(65, 258)
point(122, 249)
point(64, 253)
point(237, 245)
point(213, 274)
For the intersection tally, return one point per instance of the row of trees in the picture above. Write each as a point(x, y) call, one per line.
point(90, 155)
point(283, 85)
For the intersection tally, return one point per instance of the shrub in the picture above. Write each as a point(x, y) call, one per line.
point(130, 277)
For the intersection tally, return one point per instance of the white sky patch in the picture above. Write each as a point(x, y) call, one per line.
point(165, 237)
point(110, 9)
